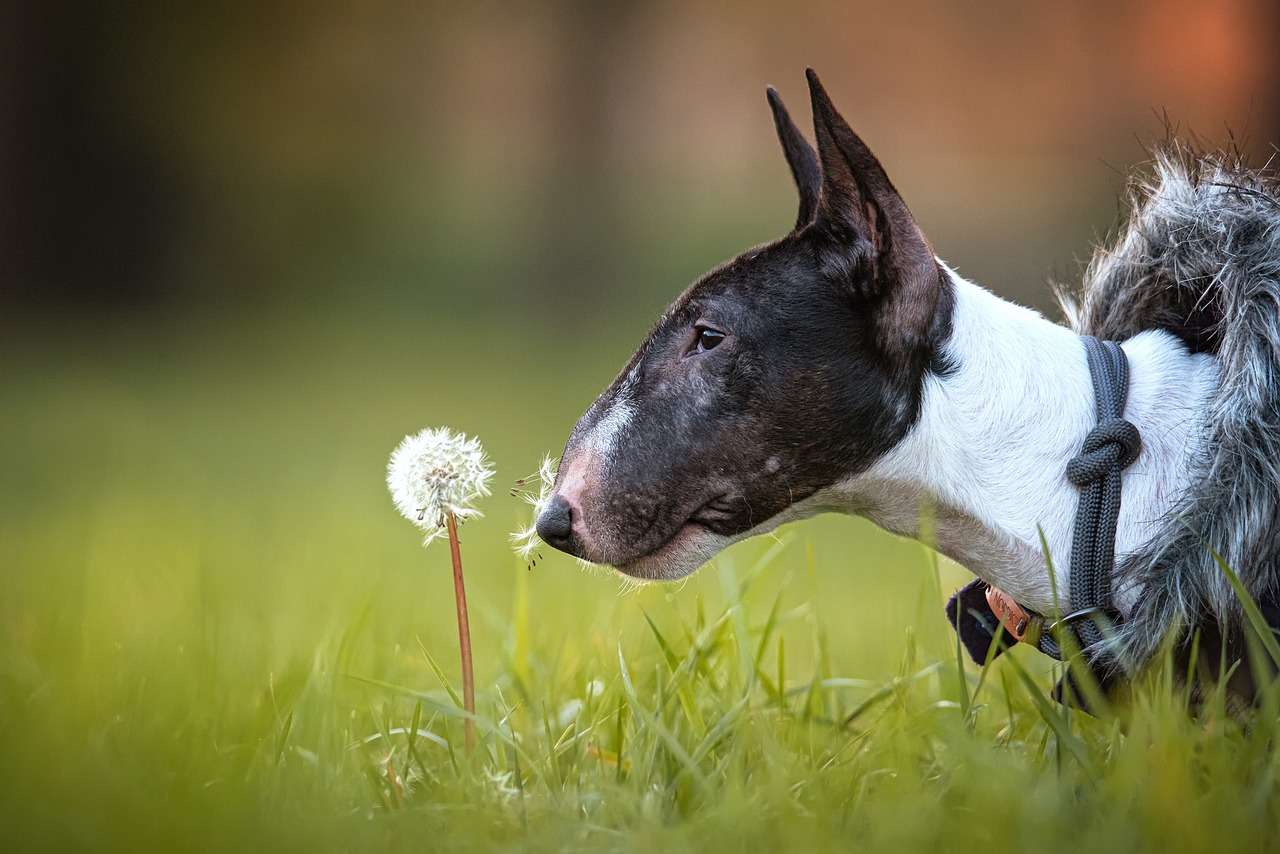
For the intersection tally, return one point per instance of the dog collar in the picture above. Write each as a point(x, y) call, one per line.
point(1108, 449)
point(1015, 619)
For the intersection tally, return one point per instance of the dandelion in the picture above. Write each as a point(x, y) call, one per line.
point(435, 473)
point(536, 490)
point(434, 477)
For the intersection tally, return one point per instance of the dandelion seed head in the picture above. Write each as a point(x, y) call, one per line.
point(569, 712)
point(435, 472)
point(536, 490)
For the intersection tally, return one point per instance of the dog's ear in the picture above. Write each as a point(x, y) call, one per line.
point(801, 157)
point(867, 242)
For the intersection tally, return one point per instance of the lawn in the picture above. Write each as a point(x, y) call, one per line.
point(217, 633)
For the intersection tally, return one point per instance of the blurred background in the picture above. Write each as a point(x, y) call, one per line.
point(578, 156)
point(245, 247)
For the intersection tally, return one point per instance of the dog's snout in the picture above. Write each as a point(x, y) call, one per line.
point(555, 524)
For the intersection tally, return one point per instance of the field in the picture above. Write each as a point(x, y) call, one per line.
point(216, 633)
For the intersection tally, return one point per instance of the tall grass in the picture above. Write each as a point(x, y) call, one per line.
point(215, 634)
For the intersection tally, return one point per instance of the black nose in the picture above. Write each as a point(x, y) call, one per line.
point(555, 524)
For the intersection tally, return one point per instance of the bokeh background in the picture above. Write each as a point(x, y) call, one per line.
point(245, 247)
point(522, 159)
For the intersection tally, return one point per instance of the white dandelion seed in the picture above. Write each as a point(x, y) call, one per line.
point(436, 472)
point(536, 490)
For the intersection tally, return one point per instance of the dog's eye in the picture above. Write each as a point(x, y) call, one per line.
point(708, 339)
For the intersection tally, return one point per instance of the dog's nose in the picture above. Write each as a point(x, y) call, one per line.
point(555, 524)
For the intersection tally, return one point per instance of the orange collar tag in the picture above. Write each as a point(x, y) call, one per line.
point(1008, 612)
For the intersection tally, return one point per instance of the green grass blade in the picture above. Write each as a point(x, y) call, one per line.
point(283, 741)
point(444, 682)
point(1265, 633)
point(651, 722)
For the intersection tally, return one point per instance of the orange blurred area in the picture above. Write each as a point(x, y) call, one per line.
point(561, 157)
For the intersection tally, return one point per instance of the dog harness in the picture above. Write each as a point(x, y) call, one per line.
point(979, 611)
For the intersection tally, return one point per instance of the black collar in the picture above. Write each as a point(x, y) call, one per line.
point(1108, 449)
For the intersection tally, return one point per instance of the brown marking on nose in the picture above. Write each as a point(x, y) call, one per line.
point(561, 524)
point(571, 481)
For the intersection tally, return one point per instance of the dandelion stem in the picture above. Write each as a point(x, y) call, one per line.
point(464, 633)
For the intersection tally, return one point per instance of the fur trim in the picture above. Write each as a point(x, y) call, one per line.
point(1200, 258)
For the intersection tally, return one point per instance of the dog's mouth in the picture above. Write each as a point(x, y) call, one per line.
point(705, 533)
point(720, 515)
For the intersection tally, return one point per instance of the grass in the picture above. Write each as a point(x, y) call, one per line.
point(215, 633)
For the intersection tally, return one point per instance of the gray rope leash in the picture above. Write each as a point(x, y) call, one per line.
point(1108, 449)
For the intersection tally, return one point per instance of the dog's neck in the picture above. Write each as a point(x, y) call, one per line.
point(982, 473)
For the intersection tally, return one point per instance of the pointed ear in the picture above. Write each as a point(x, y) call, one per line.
point(801, 157)
point(867, 241)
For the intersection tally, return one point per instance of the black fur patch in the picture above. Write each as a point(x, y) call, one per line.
point(975, 623)
point(797, 397)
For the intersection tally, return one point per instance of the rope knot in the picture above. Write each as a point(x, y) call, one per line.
point(1111, 446)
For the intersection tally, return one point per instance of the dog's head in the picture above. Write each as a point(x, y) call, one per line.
point(775, 376)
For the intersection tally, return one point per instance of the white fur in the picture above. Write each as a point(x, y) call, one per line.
point(603, 437)
point(597, 448)
point(988, 456)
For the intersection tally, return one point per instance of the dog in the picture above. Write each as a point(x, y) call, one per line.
point(845, 368)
